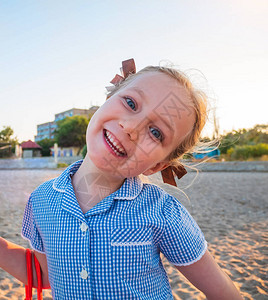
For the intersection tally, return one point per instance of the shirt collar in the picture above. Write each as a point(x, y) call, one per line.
point(60, 183)
point(129, 190)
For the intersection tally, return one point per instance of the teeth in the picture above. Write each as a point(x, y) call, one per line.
point(115, 144)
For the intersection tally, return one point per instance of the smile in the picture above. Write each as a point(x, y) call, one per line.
point(114, 144)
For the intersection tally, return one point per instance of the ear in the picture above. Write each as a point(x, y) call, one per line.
point(158, 167)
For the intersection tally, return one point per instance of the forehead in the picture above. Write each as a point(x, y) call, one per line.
point(158, 87)
point(162, 92)
point(154, 82)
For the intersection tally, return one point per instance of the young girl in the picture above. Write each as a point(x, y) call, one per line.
point(98, 230)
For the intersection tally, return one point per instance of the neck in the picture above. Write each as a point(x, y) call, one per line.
point(91, 185)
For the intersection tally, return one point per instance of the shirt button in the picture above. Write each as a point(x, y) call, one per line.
point(83, 227)
point(83, 274)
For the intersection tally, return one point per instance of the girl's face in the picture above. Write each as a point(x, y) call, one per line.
point(138, 127)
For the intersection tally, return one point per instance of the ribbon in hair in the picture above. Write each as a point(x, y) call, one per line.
point(128, 67)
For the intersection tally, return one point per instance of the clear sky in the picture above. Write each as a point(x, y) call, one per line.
point(56, 55)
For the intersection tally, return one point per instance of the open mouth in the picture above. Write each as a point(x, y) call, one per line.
point(114, 144)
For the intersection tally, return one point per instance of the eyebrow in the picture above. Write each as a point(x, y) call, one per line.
point(142, 94)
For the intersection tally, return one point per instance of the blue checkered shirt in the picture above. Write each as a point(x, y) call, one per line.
point(113, 250)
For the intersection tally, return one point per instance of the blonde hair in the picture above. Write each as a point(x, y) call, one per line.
point(199, 104)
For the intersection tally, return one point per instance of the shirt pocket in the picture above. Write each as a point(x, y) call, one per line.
point(132, 252)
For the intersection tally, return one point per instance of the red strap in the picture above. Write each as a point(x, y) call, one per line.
point(39, 279)
point(29, 286)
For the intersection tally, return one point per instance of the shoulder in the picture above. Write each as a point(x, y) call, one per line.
point(156, 193)
point(43, 189)
point(175, 214)
point(166, 204)
point(153, 194)
point(153, 190)
point(44, 196)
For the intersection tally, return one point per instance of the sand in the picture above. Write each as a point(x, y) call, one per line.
point(230, 208)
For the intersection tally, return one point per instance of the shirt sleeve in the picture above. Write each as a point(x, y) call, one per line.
point(182, 241)
point(29, 229)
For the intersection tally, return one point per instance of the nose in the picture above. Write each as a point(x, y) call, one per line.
point(130, 128)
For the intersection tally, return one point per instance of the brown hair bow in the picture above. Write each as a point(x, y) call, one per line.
point(129, 67)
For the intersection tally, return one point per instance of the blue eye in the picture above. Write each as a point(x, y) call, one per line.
point(130, 103)
point(157, 134)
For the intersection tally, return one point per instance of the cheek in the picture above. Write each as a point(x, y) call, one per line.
point(115, 104)
point(93, 130)
point(149, 151)
point(88, 131)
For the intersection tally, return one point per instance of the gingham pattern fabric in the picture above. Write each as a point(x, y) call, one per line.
point(112, 251)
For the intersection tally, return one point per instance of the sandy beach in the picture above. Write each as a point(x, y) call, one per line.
point(230, 208)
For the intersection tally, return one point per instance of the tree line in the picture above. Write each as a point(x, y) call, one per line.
point(243, 144)
point(238, 144)
point(70, 132)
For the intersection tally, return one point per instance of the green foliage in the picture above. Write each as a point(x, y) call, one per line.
point(5, 134)
point(71, 131)
point(7, 143)
point(84, 151)
point(46, 144)
point(247, 151)
point(62, 165)
point(256, 135)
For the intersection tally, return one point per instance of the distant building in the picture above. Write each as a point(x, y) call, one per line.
point(30, 149)
point(65, 151)
point(46, 130)
point(73, 112)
